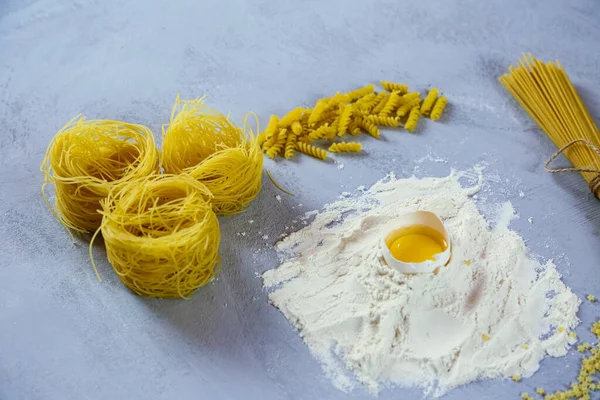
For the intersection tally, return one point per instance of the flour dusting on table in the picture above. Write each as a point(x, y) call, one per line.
point(493, 312)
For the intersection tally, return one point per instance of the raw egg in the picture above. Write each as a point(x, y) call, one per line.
point(418, 243)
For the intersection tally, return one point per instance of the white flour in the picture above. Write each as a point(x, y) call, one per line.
point(361, 318)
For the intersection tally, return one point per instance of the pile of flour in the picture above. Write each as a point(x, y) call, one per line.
point(363, 320)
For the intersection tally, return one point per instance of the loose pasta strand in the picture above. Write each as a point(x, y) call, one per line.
point(311, 150)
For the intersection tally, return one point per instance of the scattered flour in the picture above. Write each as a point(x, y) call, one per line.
point(364, 321)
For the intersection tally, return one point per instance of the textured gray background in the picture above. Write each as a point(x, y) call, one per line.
point(63, 335)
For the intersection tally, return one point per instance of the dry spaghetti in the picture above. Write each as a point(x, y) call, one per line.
point(208, 146)
point(161, 235)
point(86, 159)
point(546, 93)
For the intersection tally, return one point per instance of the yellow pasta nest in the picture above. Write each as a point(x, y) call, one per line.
point(413, 118)
point(345, 147)
point(86, 159)
point(429, 100)
point(209, 147)
point(311, 150)
point(161, 235)
point(383, 121)
point(353, 112)
point(438, 108)
point(394, 87)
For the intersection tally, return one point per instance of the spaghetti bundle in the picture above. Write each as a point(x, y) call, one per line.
point(546, 93)
point(161, 235)
point(86, 159)
point(209, 147)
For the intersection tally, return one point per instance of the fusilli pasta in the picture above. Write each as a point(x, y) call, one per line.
point(290, 145)
point(311, 150)
point(429, 100)
point(438, 108)
point(413, 118)
point(394, 87)
point(383, 121)
point(345, 147)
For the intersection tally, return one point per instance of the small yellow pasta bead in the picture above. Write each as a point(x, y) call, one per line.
point(297, 127)
point(405, 108)
point(370, 128)
point(413, 118)
point(345, 147)
point(391, 105)
point(394, 87)
point(438, 108)
point(311, 150)
point(516, 378)
point(383, 121)
point(358, 93)
point(345, 116)
point(382, 102)
point(294, 115)
point(290, 145)
point(429, 100)
point(279, 144)
point(317, 112)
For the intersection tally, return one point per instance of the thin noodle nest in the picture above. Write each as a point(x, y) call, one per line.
point(209, 147)
point(161, 235)
point(86, 159)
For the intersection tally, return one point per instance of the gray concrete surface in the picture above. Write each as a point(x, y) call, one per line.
point(63, 335)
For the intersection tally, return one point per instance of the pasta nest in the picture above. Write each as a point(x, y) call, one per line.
point(209, 147)
point(161, 235)
point(86, 159)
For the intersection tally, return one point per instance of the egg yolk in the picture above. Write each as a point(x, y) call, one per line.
point(418, 243)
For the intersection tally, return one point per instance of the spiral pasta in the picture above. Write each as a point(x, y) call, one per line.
point(294, 115)
point(358, 93)
point(271, 128)
point(345, 116)
point(394, 87)
point(382, 103)
point(297, 127)
point(438, 108)
point(317, 112)
point(406, 107)
point(391, 105)
point(413, 118)
point(86, 159)
point(370, 128)
point(290, 145)
point(345, 147)
point(161, 235)
point(279, 143)
point(209, 147)
point(429, 100)
point(311, 150)
point(353, 112)
point(383, 121)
